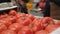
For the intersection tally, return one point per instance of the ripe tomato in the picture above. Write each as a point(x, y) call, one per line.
point(44, 26)
point(24, 21)
point(25, 30)
point(7, 21)
point(48, 20)
point(42, 32)
point(35, 28)
point(36, 20)
point(23, 15)
point(15, 27)
point(18, 15)
point(2, 27)
point(36, 25)
point(8, 32)
point(12, 12)
point(58, 23)
point(4, 16)
point(13, 19)
point(31, 17)
point(51, 28)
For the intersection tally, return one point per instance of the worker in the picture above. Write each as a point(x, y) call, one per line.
point(47, 9)
point(45, 6)
point(22, 5)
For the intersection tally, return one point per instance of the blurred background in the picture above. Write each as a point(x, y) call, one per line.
point(43, 8)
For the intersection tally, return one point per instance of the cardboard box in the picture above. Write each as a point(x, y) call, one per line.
point(55, 11)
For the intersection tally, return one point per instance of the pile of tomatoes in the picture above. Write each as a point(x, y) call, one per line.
point(16, 23)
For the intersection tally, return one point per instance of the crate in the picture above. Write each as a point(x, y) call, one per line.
point(55, 11)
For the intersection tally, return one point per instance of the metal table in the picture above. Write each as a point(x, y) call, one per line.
point(5, 7)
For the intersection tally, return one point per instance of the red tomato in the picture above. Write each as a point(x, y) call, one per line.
point(25, 30)
point(42, 32)
point(44, 25)
point(2, 27)
point(58, 23)
point(23, 15)
point(24, 21)
point(8, 32)
point(35, 28)
point(31, 17)
point(48, 20)
point(13, 19)
point(12, 12)
point(51, 28)
point(37, 20)
point(7, 21)
point(4, 16)
point(18, 15)
point(36, 25)
point(15, 27)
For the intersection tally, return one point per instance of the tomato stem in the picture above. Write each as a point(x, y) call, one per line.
point(23, 18)
point(48, 22)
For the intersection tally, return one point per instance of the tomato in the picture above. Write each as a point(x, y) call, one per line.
point(44, 26)
point(12, 12)
point(4, 16)
point(36, 25)
point(2, 27)
point(42, 32)
point(23, 15)
point(13, 19)
point(48, 20)
point(8, 32)
point(31, 17)
point(24, 21)
point(25, 30)
point(35, 28)
point(51, 28)
point(58, 23)
point(18, 15)
point(15, 27)
point(36, 19)
point(7, 21)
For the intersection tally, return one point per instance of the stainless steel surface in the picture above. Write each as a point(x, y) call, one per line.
point(5, 6)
